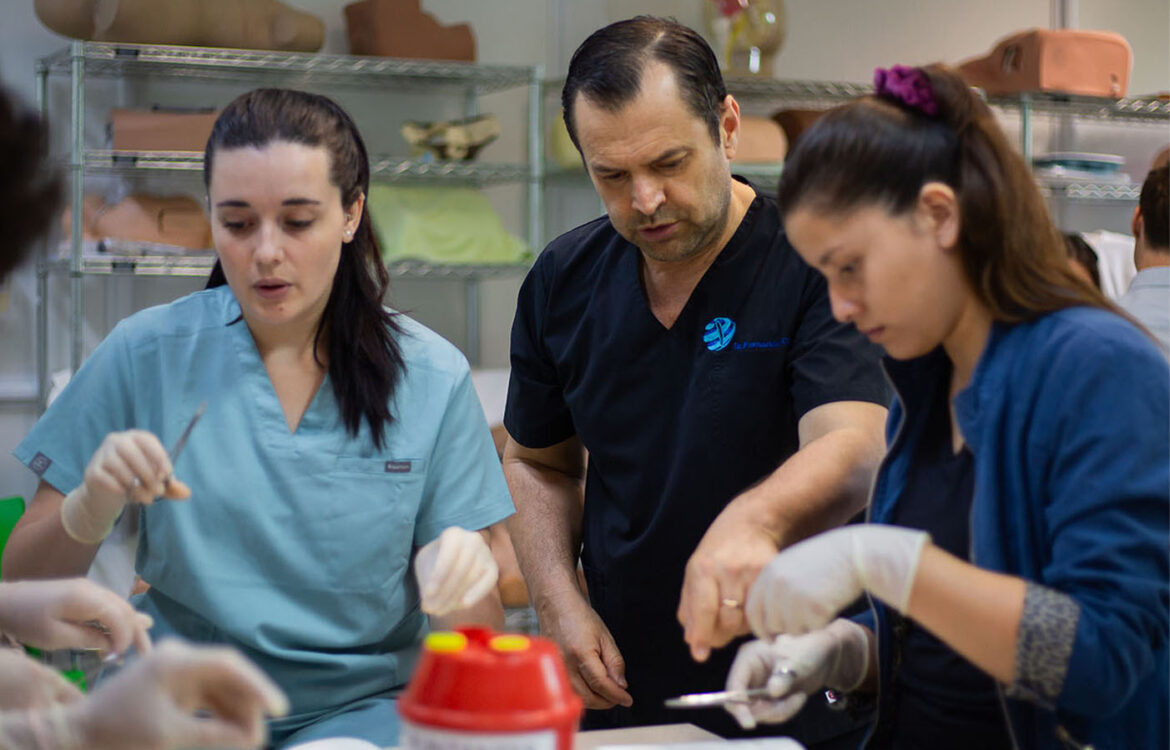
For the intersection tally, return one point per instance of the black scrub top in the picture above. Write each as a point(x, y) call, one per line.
point(941, 699)
point(677, 421)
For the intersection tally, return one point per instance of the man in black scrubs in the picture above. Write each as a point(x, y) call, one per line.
point(682, 344)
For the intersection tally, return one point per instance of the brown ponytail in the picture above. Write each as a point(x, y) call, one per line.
point(879, 151)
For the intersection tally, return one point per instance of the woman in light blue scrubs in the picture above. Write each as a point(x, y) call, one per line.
point(339, 438)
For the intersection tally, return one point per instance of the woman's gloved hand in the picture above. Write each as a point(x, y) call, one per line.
point(153, 704)
point(26, 683)
point(454, 571)
point(806, 585)
point(129, 466)
point(794, 666)
point(71, 613)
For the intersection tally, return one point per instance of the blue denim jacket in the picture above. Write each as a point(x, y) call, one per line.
point(1068, 417)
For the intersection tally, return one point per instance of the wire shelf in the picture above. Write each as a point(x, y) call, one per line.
point(810, 94)
point(815, 94)
point(193, 264)
point(199, 263)
point(105, 60)
point(480, 173)
point(1147, 109)
point(387, 169)
point(129, 161)
point(1091, 191)
point(418, 269)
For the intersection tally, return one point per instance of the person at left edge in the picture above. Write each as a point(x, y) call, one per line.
point(340, 438)
point(153, 704)
point(681, 342)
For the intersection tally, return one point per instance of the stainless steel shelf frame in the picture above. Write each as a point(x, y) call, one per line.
point(200, 264)
point(106, 60)
point(92, 60)
point(382, 168)
point(1148, 110)
point(1091, 191)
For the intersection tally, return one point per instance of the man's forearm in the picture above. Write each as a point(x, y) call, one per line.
point(821, 486)
point(546, 529)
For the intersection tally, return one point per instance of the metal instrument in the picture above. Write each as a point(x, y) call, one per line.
point(721, 697)
point(182, 441)
point(717, 698)
point(173, 455)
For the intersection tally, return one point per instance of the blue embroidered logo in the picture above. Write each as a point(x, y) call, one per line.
point(718, 333)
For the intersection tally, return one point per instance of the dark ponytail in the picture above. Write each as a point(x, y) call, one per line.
point(880, 151)
point(365, 360)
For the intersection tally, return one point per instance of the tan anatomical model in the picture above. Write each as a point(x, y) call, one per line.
point(246, 24)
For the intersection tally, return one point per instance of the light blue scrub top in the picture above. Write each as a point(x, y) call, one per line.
point(295, 547)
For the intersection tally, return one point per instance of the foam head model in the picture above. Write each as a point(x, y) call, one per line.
point(244, 24)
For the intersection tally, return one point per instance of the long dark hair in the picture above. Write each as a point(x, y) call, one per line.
point(30, 184)
point(877, 151)
point(365, 360)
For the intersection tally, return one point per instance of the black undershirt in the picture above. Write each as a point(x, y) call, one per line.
point(941, 699)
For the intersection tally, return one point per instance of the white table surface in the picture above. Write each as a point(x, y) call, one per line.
point(656, 735)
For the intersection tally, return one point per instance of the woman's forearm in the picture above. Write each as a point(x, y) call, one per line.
point(39, 547)
point(974, 611)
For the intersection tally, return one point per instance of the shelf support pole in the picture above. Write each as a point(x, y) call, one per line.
point(77, 183)
point(42, 266)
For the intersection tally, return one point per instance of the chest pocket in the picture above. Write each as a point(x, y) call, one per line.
point(747, 389)
point(370, 525)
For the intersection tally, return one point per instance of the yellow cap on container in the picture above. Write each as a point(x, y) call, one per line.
point(509, 643)
point(445, 643)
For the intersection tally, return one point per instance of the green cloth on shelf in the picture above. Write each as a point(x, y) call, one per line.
point(11, 509)
point(446, 225)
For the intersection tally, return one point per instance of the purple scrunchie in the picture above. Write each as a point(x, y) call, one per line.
point(908, 85)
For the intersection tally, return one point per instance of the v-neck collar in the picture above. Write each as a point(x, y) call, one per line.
point(632, 269)
point(319, 416)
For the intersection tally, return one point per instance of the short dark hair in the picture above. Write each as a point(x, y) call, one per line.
point(607, 68)
point(30, 187)
point(365, 361)
point(1155, 207)
point(1082, 252)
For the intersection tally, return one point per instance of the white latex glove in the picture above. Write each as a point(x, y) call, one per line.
point(26, 683)
point(794, 666)
point(806, 585)
point(129, 466)
point(152, 704)
point(454, 571)
point(73, 613)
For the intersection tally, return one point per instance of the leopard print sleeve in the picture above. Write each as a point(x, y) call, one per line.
point(1048, 628)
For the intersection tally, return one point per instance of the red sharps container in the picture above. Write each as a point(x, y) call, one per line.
point(478, 690)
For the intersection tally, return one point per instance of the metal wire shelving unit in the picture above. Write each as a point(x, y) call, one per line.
point(86, 61)
point(256, 67)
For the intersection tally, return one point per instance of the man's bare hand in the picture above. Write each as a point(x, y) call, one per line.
point(718, 576)
point(596, 668)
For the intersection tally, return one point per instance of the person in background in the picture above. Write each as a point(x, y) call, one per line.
point(1148, 298)
point(342, 445)
point(1016, 551)
point(1082, 258)
point(151, 706)
point(683, 344)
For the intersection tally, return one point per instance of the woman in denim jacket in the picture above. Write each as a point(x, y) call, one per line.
point(1016, 555)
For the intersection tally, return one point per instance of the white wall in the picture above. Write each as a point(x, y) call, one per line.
point(827, 40)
